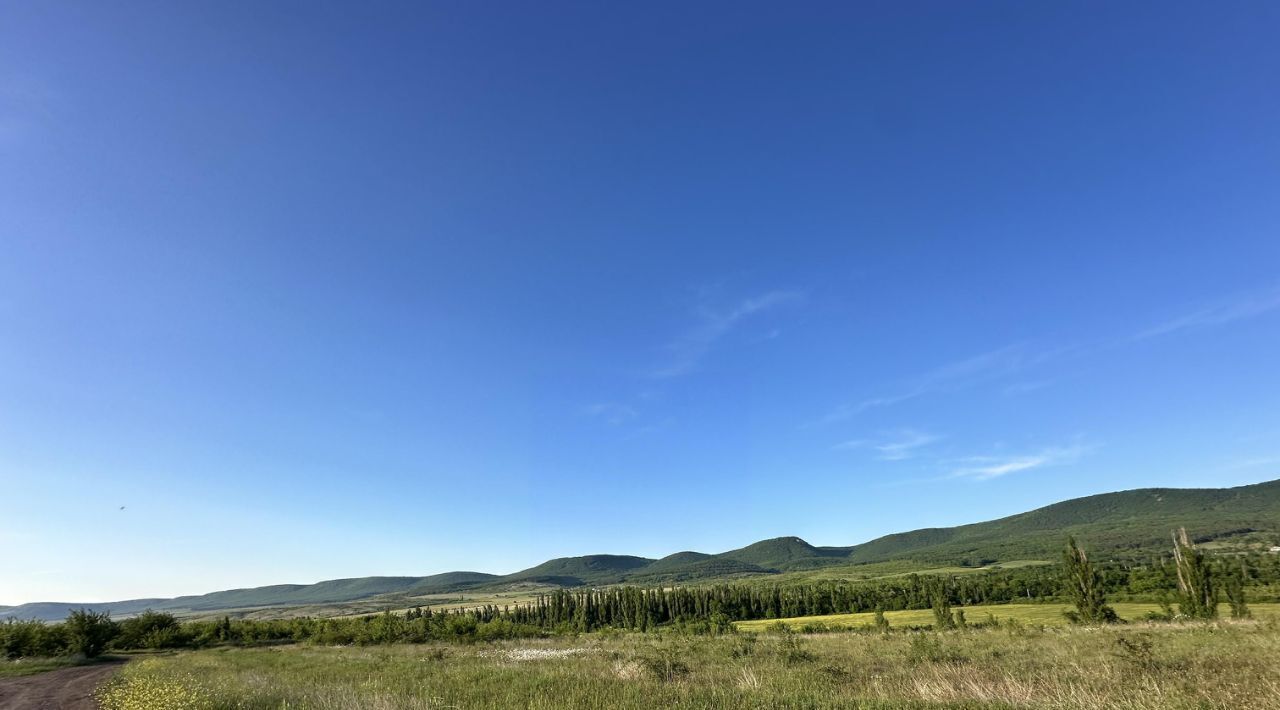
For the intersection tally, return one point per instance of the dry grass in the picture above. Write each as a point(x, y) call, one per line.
point(1138, 667)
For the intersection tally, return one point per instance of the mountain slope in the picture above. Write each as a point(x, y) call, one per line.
point(1120, 523)
point(577, 571)
point(784, 553)
point(1124, 524)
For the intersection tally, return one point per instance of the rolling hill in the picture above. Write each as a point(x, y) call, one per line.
point(1124, 524)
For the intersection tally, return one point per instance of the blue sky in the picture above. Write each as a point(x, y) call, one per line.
point(334, 291)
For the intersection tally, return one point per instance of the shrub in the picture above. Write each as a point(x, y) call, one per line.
point(150, 629)
point(940, 601)
point(792, 650)
point(1137, 651)
point(664, 664)
point(89, 632)
point(928, 648)
point(25, 639)
point(882, 623)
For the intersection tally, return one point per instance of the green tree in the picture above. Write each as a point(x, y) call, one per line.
point(1233, 585)
point(89, 632)
point(940, 601)
point(1197, 597)
point(1084, 586)
point(150, 629)
point(882, 623)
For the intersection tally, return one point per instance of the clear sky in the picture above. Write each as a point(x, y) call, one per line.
point(293, 291)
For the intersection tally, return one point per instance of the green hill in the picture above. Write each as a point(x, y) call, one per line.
point(577, 571)
point(782, 553)
point(451, 582)
point(690, 566)
point(1115, 524)
point(1126, 524)
point(334, 590)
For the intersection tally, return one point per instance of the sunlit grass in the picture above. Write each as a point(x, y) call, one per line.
point(1031, 614)
point(1140, 667)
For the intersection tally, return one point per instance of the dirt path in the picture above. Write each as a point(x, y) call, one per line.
point(63, 689)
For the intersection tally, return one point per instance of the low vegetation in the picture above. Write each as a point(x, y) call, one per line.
point(1195, 665)
point(901, 641)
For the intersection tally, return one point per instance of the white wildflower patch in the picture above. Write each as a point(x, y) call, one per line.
point(536, 654)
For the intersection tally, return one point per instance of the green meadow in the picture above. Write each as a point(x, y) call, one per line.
point(1137, 667)
point(1031, 614)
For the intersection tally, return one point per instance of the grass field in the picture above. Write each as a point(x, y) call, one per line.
point(1139, 667)
point(31, 666)
point(1046, 614)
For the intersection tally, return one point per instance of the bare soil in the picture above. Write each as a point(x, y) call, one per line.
point(63, 689)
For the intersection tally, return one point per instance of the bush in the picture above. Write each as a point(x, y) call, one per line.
point(928, 648)
point(89, 632)
point(150, 629)
point(26, 639)
point(665, 664)
point(791, 649)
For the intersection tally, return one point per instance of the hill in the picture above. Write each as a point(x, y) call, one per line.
point(577, 571)
point(782, 553)
point(1126, 524)
point(451, 582)
point(1115, 524)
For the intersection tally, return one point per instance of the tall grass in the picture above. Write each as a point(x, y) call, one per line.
point(1221, 665)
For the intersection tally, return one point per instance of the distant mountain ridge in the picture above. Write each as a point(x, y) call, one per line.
point(1126, 523)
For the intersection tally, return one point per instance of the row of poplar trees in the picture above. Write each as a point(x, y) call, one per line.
point(1198, 584)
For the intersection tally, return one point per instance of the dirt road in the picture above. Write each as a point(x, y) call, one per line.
point(63, 689)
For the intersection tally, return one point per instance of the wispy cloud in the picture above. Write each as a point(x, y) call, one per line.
point(611, 412)
point(961, 373)
point(894, 446)
point(1247, 306)
point(985, 468)
point(688, 351)
point(1018, 388)
point(1020, 359)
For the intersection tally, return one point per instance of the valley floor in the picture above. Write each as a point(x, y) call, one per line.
point(1136, 666)
point(1031, 614)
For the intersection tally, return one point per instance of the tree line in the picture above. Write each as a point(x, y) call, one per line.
point(1200, 584)
point(1188, 576)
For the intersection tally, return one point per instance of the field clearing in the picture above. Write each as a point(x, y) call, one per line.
point(1164, 666)
point(1044, 614)
point(889, 570)
point(374, 605)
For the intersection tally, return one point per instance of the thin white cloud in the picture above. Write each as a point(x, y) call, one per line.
point(1019, 388)
point(906, 446)
point(611, 412)
point(985, 468)
point(962, 373)
point(687, 352)
point(1247, 306)
point(1019, 358)
point(892, 446)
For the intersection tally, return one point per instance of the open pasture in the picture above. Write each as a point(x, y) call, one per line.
point(1030, 614)
point(1139, 667)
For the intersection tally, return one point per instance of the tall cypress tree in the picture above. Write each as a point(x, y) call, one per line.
point(1084, 585)
point(1234, 587)
point(1198, 599)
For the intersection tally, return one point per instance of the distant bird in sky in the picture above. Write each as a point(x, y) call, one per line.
point(122, 507)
